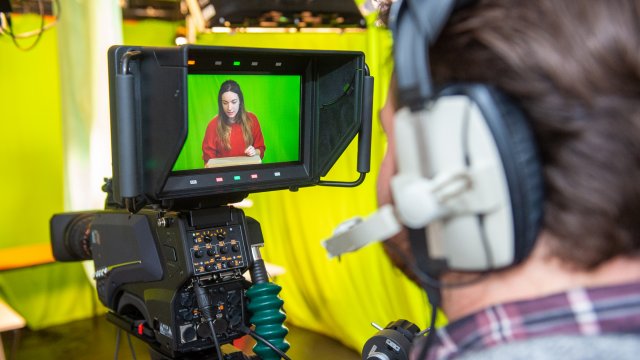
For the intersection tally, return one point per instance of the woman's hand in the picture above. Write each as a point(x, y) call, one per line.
point(250, 151)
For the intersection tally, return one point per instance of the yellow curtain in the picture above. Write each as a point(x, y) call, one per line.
point(55, 138)
point(339, 298)
point(31, 184)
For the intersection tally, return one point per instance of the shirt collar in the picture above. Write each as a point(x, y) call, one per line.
point(578, 311)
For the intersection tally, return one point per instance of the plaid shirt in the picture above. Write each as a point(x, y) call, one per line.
point(603, 310)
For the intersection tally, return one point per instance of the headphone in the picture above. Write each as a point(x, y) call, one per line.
point(469, 184)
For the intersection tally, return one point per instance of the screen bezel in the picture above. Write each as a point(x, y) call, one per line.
point(249, 178)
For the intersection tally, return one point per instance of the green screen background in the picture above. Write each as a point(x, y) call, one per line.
point(274, 99)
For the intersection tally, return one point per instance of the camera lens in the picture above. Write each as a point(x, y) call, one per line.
point(70, 236)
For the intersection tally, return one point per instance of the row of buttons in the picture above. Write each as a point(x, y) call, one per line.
point(221, 179)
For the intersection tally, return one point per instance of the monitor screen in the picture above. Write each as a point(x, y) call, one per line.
point(241, 120)
point(201, 126)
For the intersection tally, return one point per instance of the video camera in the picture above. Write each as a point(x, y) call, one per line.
point(170, 255)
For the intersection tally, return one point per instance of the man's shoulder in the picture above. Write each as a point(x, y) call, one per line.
point(563, 347)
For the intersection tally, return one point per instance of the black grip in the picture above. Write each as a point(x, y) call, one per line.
point(258, 272)
point(364, 137)
point(127, 154)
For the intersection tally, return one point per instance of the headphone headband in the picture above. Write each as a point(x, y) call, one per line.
point(416, 25)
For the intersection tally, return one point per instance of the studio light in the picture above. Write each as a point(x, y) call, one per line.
point(252, 16)
point(299, 14)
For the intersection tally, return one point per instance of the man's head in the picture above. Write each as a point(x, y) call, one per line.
point(574, 69)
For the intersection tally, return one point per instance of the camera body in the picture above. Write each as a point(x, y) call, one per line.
point(146, 262)
point(170, 255)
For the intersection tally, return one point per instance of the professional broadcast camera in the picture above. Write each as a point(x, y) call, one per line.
point(169, 253)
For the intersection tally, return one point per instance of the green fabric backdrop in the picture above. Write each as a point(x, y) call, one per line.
point(31, 184)
point(31, 138)
point(335, 297)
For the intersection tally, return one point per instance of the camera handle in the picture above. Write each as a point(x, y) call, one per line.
point(265, 306)
point(128, 185)
point(364, 138)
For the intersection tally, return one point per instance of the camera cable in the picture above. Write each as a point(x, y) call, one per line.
point(204, 303)
point(6, 26)
point(253, 334)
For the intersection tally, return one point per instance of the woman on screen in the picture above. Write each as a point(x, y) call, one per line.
point(234, 132)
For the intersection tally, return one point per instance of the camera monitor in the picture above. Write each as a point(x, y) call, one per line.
point(198, 125)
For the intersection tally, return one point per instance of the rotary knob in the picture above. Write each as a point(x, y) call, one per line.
point(224, 249)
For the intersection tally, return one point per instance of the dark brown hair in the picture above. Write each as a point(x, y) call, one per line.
point(224, 125)
point(384, 6)
point(574, 66)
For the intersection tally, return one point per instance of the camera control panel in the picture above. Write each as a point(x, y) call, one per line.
point(218, 249)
